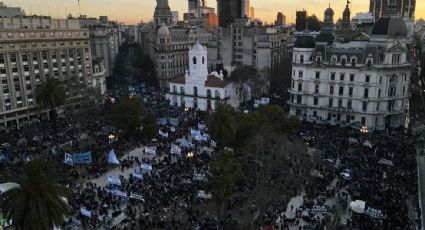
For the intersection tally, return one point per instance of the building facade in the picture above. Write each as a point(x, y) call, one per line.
point(360, 81)
point(33, 49)
point(197, 88)
point(280, 19)
point(228, 11)
point(403, 8)
point(301, 20)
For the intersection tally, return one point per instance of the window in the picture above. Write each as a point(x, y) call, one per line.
point(194, 60)
point(379, 93)
point(302, 59)
point(174, 89)
point(343, 61)
point(331, 90)
point(333, 60)
point(350, 91)
point(181, 89)
point(363, 121)
point(377, 106)
point(299, 99)
point(300, 87)
point(331, 102)
point(300, 74)
point(341, 77)
point(341, 90)
point(332, 76)
point(349, 104)
point(317, 75)
point(208, 93)
point(195, 91)
point(217, 94)
point(316, 100)
point(318, 60)
point(396, 59)
point(366, 93)
point(369, 63)
point(340, 103)
point(203, 60)
point(367, 79)
point(351, 77)
point(364, 106)
point(353, 62)
point(316, 88)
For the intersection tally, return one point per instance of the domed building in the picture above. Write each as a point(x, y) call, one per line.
point(199, 89)
point(361, 81)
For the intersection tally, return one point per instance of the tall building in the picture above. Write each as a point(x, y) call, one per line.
point(301, 20)
point(366, 82)
point(280, 19)
point(245, 8)
point(346, 18)
point(328, 21)
point(162, 14)
point(36, 48)
point(228, 11)
point(403, 8)
point(252, 12)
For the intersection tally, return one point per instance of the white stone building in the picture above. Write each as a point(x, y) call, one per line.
point(359, 81)
point(198, 89)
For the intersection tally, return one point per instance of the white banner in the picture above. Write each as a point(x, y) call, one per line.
point(172, 129)
point(136, 196)
point(85, 212)
point(119, 193)
point(146, 167)
point(137, 176)
point(386, 162)
point(164, 134)
point(175, 150)
point(69, 159)
point(118, 219)
point(150, 150)
point(114, 180)
point(203, 195)
point(265, 101)
point(199, 177)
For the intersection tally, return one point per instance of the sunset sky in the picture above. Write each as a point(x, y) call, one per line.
point(133, 11)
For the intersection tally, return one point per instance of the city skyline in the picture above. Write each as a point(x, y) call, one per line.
point(134, 11)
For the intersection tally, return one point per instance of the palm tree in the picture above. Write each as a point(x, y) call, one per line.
point(50, 95)
point(221, 125)
point(38, 204)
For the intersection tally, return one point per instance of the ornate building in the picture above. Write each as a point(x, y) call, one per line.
point(198, 89)
point(358, 81)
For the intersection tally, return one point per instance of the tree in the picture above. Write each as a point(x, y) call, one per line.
point(38, 203)
point(225, 171)
point(150, 128)
point(221, 124)
point(126, 115)
point(50, 95)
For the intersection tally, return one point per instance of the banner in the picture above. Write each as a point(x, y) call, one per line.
point(173, 129)
point(175, 150)
point(164, 134)
point(114, 180)
point(137, 176)
point(319, 209)
point(82, 158)
point(265, 101)
point(146, 167)
point(117, 220)
point(199, 177)
point(69, 160)
point(150, 150)
point(203, 195)
point(119, 193)
point(85, 212)
point(201, 138)
point(136, 196)
point(112, 158)
point(174, 121)
point(386, 162)
point(374, 213)
point(186, 144)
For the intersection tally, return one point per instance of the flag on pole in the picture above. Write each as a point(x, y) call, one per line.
point(112, 158)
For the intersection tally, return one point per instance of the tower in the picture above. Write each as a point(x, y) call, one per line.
point(346, 18)
point(198, 65)
point(162, 13)
point(328, 21)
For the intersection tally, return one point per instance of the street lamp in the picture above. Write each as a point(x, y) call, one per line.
point(190, 154)
point(364, 129)
point(111, 138)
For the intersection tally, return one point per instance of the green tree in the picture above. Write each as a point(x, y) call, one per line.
point(38, 203)
point(225, 171)
point(50, 95)
point(150, 128)
point(126, 115)
point(221, 125)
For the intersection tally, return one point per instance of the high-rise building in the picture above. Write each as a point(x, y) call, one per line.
point(29, 55)
point(228, 11)
point(245, 8)
point(366, 82)
point(280, 19)
point(301, 20)
point(402, 8)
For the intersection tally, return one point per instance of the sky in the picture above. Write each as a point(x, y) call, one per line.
point(134, 11)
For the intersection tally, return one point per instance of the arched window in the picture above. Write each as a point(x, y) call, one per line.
point(302, 59)
point(195, 91)
point(217, 94)
point(203, 60)
point(353, 61)
point(182, 90)
point(343, 61)
point(333, 60)
point(209, 93)
point(318, 60)
point(194, 60)
point(369, 62)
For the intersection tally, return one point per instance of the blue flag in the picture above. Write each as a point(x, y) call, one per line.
point(112, 158)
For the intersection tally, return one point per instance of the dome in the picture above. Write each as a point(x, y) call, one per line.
point(305, 42)
point(163, 30)
point(325, 37)
point(198, 47)
point(390, 26)
point(329, 11)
